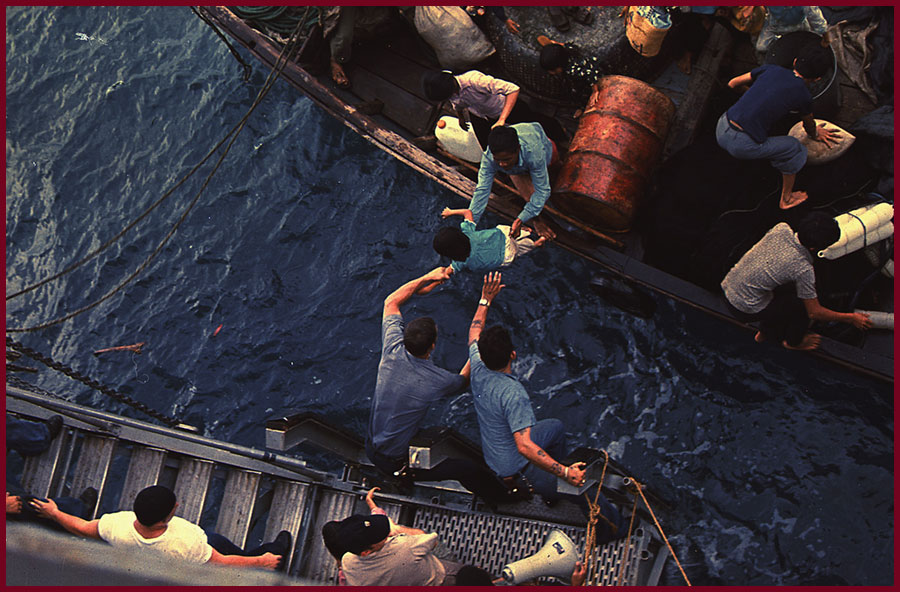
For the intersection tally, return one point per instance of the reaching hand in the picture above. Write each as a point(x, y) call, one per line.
point(579, 573)
point(515, 228)
point(492, 286)
point(13, 504)
point(269, 561)
point(575, 474)
point(860, 320)
point(499, 123)
point(512, 26)
point(463, 124)
point(44, 509)
point(370, 498)
point(446, 213)
point(823, 134)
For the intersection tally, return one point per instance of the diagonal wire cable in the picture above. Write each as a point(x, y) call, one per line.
point(280, 63)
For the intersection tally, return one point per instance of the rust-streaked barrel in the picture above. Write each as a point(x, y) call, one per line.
point(619, 141)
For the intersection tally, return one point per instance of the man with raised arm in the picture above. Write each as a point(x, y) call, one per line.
point(153, 525)
point(520, 449)
point(408, 384)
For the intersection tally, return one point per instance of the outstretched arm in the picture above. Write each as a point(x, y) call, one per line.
point(465, 213)
point(73, 524)
point(744, 79)
point(489, 291)
point(265, 561)
point(507, 109)
point(536, 455)
point(422, 285)
point(817, 312)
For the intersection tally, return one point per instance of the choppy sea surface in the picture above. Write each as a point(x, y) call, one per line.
point(779, 467)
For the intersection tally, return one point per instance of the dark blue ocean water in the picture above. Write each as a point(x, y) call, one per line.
point(779, 467)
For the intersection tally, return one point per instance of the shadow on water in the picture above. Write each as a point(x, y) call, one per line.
point(778, 467)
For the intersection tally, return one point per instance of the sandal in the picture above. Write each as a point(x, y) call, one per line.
point(558, 18)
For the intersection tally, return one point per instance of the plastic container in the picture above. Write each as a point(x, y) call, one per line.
point(459, 143)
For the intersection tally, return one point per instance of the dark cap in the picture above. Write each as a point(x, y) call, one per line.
point(359, 532)
point(153, 504)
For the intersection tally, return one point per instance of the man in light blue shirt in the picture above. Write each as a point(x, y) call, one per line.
point(516, 446)
point(524, 152)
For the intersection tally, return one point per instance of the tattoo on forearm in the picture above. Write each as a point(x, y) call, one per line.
point(541, 452)
point(476, 324)
point(556, 468)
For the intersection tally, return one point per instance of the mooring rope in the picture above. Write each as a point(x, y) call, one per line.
point(593, 515)
point(237, 56)
point(280, 63)
point(659, 527)
point(97, 386)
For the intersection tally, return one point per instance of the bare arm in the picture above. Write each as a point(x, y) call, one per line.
point(744, 79)
point(489, 291)
point(265, 561)
point(507, 108)
point(465, 213)
point(817, 312)
point(73, 524)
point(421, 285)
point(466, 371)
point(536, 455)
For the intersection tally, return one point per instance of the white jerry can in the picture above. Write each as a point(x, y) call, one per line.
point(459, 143)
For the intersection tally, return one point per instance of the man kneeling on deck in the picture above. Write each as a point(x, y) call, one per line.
point(154, 525)
point(758, 287)
point(525, 153)
point(376, 558)
point(518, 447)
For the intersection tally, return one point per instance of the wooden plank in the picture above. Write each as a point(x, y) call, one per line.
point(39, 470)
point(237, 505)
point(286, 513)
point(191, 487)
point(144, 469)
point(406, 109)
point(93, 466)
point(393, 67)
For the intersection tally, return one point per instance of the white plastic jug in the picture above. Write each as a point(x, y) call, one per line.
point(459, 143)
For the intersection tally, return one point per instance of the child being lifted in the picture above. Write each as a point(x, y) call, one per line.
point(481, 250)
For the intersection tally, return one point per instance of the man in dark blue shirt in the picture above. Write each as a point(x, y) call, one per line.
point(743, 130)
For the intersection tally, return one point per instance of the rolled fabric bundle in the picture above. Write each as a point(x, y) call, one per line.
point(860, 227)
point(880, 320)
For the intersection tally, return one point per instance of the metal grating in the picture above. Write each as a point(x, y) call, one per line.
point(490, 541)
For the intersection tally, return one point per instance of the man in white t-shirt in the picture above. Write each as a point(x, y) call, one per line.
point(154, 525)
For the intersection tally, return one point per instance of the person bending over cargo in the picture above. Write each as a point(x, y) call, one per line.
point(759, 286)
point(521, 450)
point(525, 153)
point(775, 92)
point(481, 250)
point(153, 525)
point(408, 383)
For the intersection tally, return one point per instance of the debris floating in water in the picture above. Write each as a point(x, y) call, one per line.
point(216, 332)
point(90, 38)
point(134, 347)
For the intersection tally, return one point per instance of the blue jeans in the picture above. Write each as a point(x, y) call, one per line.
point(28, 438)
point(785, 153)
point(550, 435)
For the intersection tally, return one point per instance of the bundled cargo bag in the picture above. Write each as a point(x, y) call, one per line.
point(818, 152)
point(457, 41)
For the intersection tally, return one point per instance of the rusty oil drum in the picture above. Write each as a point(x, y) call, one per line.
point(617, 145)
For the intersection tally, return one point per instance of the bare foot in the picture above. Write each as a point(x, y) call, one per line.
point(338, 75)
point(759, 337)
point(540, 242)
point(810, 341)
point(795, 199)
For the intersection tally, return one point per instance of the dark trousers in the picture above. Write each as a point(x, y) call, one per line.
point(521, 113)
point(28, 438)
point(550, 435)
point(226, 547)
point(475, 477)
point(784, 319)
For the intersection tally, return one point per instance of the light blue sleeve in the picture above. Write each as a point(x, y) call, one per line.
point(540, 179)
point(482, 193)
point(518, 410)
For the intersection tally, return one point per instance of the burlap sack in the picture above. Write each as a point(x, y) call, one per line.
point(456, 40)
point(818, 152)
